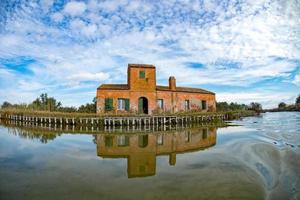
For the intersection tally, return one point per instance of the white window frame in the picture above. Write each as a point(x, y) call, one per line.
point(121, 140)
point(160, 139)
point(121, 104)
point(160, 103)
point(188, 136)
point(187, 104)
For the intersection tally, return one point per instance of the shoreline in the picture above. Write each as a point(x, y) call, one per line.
point(42, 117)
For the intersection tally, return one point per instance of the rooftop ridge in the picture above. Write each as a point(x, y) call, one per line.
point(140, 65)
point(184, 89)
point(158, 87)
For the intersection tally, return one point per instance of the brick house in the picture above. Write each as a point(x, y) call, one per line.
point(141, 150)
point(142, 95)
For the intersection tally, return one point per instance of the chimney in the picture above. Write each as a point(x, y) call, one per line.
point(172, 83)
point(172, 159)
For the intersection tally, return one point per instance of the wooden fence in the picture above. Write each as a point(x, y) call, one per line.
point(115, 121)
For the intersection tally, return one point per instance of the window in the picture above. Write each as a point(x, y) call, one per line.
point(187, 104)
point(160, 139)
point(127, 104)
point(188, 136)
point(142, 74)
point(123, 140)
point(204, 105)
point(143, 140)
point(108, 141)
point(123, 104)
point(160, 103)
point(204, 133)
point(108, 104)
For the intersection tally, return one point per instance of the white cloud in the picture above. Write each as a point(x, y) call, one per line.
point(110, 6)
point(209, 5)
point(46, 4)
point(75, 8)
point(77, 24)
point(139, 6)
point(57, 17)
point(296, 80)
point(85, 76)
point(101, 37)
point(26, 85)
point(5, 73)
point(89, 30)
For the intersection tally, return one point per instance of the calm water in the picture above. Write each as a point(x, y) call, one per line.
point(260, 159)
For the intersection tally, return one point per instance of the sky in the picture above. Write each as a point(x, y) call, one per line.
point(244, 51)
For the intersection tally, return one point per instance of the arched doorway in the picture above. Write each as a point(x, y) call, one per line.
point(143, 105)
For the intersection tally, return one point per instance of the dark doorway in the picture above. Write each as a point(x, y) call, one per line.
point(143, 105)
point(143, 141)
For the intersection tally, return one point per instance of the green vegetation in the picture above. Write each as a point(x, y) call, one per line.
point(282, 106)
point(224, 106)
point(297, 100)
point(50, 104)
point(255, 107)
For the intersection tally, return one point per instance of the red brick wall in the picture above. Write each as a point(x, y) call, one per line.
point(114, 94)
point(147, 84)
point(173, 101)
point(132, 95)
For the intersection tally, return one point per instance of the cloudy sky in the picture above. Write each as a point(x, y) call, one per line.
point(242, 50)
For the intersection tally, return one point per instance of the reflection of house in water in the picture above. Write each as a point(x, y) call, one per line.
point(141, 149)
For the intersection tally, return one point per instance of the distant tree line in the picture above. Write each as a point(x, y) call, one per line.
point(224, 106)
point(45, 103)
point(282, 106)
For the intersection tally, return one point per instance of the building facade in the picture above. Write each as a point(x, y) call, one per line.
point(142, 95)
point(141, 149)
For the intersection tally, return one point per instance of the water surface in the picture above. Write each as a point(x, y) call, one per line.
point(258, 159)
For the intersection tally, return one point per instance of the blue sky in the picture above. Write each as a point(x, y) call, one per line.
point(244, 51)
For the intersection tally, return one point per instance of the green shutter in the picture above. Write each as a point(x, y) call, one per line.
point(142, 74)
point(108, 141)
point(204, 133)
point(140, 105)
point(126, 141)
point(108, 104)
point(127, 105)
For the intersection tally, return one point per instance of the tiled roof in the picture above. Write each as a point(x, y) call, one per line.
point(114, 87)
point(184, 89)
point(158, 87)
